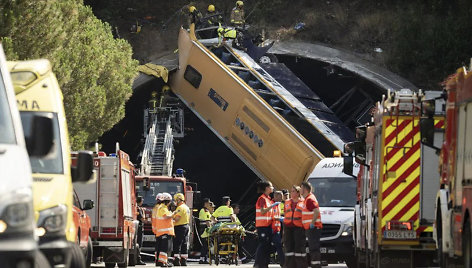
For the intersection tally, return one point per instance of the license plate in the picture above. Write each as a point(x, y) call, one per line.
point(149, 238)
point(389, 234)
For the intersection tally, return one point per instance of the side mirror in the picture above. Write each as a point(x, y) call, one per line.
point(88, 204)
point(348, 164)
point(84, 169)
point(427, 131)
point(40, 139)
point(197, 199)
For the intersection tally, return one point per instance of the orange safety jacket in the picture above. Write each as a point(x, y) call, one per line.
point(276, 225)
point(307, 215)
point(293, 217)
point(266, 219)
point(160, 224)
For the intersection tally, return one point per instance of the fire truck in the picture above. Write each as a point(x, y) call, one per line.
point(114, 217)
point(396, 184)
point(452, 230)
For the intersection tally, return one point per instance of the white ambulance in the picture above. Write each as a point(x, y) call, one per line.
point(336, 195)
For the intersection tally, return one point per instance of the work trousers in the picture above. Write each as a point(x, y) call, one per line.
point(277, 244)
point(180, 247)
point(264, 237)
point(294, 245)
point(204, 249)
point(140, 239)
point(162, 247)
point(313, 236)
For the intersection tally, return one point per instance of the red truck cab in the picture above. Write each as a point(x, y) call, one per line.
point(83, 227)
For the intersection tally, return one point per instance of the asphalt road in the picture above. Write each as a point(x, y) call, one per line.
point(247, 265)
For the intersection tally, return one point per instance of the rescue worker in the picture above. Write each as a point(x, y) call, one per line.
point(264, 211)
point(194, 16)
point(204, 217)
point(163, 228)
point(294, 234)
point(181, 229)
point(241, 255)
point(237, 15)
point(164, 96)
point(224, 213)
point(153, 102)
point(141, 219)
point(225, 34)
point(311, 219)
point(277, 228)
point(213, 18)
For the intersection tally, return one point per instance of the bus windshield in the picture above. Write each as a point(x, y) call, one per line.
point(335, 192)
point(156, 187)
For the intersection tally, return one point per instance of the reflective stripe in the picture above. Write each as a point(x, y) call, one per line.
point(263, 218)
point(165, 229)
point(300, 254)
point(185, 256)
point(315, 262)
point(289, 254)
point(308, 212)
point(306, 221)
point(258, 210)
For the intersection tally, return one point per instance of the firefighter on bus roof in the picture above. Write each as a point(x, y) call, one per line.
point(162, 227)
point(181, 229)
point(237, 14)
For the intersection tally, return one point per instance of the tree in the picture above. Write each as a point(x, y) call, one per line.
point(95, 71)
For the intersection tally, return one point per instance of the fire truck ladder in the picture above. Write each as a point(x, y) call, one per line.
point(158, 154)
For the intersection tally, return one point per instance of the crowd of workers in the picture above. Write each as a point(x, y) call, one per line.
point(213, 17)
point(285, 223)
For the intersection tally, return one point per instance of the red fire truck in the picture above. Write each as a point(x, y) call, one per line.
point(452, 230)
point(397, 185)
point(114, 217)
point(148, 187)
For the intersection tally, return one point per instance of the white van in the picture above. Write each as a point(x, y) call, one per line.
point(18, 243)
point(337, 197)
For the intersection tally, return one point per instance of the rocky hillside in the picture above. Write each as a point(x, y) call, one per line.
point(424, 41)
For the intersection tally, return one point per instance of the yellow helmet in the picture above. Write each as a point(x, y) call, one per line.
point(165, 88)
point(153, 93)
point(179, 196)
point(239, 3)
point(191, 9)
point(211, 8)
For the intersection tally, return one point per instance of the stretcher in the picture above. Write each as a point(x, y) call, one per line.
point(223, 242)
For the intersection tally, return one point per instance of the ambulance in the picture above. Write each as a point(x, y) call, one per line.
point(38, 94)
point(336, 195)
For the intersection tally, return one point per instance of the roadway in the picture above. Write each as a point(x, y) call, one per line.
point(247, 265)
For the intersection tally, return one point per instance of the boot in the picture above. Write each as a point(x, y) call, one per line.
point(183, 262)
point(176, 261)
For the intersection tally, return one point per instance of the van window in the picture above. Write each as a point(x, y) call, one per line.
point(193, 76)
point(335, 192)
point(52, 162)
point(7, 133)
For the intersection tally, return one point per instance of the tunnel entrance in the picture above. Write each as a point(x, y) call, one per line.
point(207, 160)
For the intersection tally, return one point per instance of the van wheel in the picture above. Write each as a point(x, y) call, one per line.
point(77, 257)
point(40, 260)
point(88, 258)
point(466, 246)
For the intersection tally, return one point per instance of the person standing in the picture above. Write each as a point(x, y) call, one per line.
point(264, 207)
point(294, 234)
point(224, 213)
point(181, 228)
point(311, 219)
point(277, 228)
point(141, 219)
point(237, 15)
point(163, 228)
point(213, 17)
point(204, 217)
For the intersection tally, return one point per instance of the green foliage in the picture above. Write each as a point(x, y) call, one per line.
point(95, 71)
point(431, 41)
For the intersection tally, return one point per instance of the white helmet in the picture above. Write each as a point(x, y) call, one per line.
point(166, 197)
point(159, 197)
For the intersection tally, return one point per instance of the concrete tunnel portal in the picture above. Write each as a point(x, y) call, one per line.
point(348, 85)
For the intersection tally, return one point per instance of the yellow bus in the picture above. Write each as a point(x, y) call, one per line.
point(38, 93)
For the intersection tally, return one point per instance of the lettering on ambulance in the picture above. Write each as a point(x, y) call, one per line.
point(332, 165)
point(24, 105)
